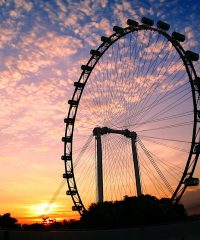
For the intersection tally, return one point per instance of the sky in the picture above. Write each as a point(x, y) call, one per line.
point(42, 46)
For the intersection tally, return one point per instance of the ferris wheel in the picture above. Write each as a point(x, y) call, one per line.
point(133, 122)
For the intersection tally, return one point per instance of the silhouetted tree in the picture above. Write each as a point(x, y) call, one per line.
point(8, 222)
point(63, 225)
point(132, 211)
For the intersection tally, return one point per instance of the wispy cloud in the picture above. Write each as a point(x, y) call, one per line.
point(42, 46)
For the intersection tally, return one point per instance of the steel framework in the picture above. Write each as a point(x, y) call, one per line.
point(187, 58)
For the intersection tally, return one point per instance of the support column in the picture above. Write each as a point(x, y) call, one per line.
point(136, 166)
point(99, 168)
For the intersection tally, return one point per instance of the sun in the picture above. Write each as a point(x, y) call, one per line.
point(43, 209)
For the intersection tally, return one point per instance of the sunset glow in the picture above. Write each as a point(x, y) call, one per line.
point(41, 208)
point(42, 47)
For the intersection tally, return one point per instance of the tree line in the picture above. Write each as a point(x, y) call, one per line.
point(131, 211)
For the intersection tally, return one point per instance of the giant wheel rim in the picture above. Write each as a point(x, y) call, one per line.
point(79, 88)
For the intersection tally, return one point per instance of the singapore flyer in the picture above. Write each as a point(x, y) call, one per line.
point(133, 122)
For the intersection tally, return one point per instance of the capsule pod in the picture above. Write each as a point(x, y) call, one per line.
point(79, 84)
point(105, 39)
point(73, 102)
point(76, 208)
point(118, 30)
point(178, 36)
point(66, 157)
point(197, 148)
point(192, 181)
point(132, 23)
point(95, 53)
point(69, 120)
point(72, 192)
point(147, 21)
point(198, 114)
point(67, 175)
point(67, 139)
point(163, 25)
point(192, 56)
point(86, 68)
point(64, 175)
point(196, 83)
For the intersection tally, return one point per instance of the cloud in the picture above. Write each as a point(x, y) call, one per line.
point(23, 4)
point(191, 41)
point(62, 6)
point(7, 35)
point(123, 11)
point(6, 76)
point(14, 14)
point(50, 45)
point(33, 63)
point(53, 45)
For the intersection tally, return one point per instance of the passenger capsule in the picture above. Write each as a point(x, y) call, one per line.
point(69, 120)
point(76, 208)
point(73, 102)
point(86, 68)
point(67, 175)
point(66, 157)
point(72, 192)
point(198, 114)
point(197, 148)
point(178, 36)
point(95, 53)
point(64, 175)
point(196, 83)
point(197, 80)
point(118, 30)
point(67, 139)
point(163, 25)
point(147, 21)
point(79, 85)
point(192, 181)
point(105, 39)
point(132, 23)
point(192, 56)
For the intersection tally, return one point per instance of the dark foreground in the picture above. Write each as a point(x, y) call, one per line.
point(187, 230)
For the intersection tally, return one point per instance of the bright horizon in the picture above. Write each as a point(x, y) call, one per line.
point(42, 47)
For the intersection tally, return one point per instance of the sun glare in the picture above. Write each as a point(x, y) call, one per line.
point(43, 209)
